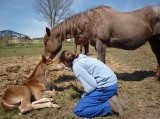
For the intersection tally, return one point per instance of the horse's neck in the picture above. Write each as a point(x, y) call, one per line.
point(70, 25)
point(39, 75)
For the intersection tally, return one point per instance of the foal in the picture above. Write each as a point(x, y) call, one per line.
point(34, 87)
point(82, 42)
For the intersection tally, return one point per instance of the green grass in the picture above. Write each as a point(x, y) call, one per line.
point(132, 67)
point(9, 114)
point(28, 50)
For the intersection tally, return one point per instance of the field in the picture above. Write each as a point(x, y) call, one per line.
point(134, 69)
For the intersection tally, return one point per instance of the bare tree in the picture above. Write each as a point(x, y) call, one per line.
point(53, 11)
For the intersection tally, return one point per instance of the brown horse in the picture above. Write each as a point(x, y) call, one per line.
point(106, 27)
point(83, 43)
point(20, 96)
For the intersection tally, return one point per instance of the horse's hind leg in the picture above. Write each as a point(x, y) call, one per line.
point(86, 49)
point(42, 100)
point(29, 107)
point(43, 105)
point(155, 46)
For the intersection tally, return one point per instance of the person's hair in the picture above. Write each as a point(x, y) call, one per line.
point(67, 56)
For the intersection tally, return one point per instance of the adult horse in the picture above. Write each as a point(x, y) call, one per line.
point(83, 43)
point(105, 27)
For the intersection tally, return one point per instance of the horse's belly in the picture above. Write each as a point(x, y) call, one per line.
point(130, 38)
point(127, 44)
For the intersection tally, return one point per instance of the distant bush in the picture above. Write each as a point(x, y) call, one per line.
point(11, 44)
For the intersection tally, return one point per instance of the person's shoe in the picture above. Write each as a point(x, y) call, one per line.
point(116, 106)
point(122, 104)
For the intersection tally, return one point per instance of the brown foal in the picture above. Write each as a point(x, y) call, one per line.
point(19, 97)
point(83, 43)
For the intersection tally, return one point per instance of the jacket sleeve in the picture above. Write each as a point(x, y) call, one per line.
point(89, 82)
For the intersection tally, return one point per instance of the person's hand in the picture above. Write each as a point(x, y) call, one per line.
point(84, 93)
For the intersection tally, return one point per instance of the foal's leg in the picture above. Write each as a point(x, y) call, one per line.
point(42, 100)
point(85, 49)
point(81, 46)
point(48, 94)
point(43, 105)
point(155, 46)
point(38, 106)
point(75, 49)
point(101, 51)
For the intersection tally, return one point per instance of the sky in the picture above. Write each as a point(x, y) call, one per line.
point(20, 16)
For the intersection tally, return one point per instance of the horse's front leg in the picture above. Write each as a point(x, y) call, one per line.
point(42, 100)
point(43, 105)
point(45, 97)
point(48, 94)
point(101, 51)
point(155, 46)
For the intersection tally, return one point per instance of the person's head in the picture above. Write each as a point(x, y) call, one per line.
point(67, 58)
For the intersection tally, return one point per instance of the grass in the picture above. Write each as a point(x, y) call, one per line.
point(9, 114)
point(29, 50)
point(134, 70)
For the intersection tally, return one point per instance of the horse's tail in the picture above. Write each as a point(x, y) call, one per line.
point(6, 106)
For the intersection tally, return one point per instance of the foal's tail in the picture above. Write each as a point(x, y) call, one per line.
point(6, 106)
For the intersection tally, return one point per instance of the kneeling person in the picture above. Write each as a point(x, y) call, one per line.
point(99, 82)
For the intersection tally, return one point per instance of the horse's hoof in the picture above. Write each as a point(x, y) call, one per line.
point(56, 106)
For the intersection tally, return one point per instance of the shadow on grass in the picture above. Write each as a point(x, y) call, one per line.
point(135, 76)
point(67, 78)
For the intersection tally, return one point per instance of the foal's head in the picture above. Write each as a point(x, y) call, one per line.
point(51, 65)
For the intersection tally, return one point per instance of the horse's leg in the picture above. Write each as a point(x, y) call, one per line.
point(48, 94)
point(29, 107)
point(43, 105)
point(86, 49)
point(87, 45)
point(81, 46)
point(75, 48)
point(25, 105)
point(42, 100)
point(101, 51)
point(155, 46)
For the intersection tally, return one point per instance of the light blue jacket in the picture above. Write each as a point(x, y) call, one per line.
point(93, 73)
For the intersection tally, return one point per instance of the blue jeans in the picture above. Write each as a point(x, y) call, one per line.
point(96, 103)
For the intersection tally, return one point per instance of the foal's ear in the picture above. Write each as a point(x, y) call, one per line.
point(44, 60)
point(48, 31)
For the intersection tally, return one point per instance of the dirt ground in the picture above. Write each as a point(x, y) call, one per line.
point(135, 71)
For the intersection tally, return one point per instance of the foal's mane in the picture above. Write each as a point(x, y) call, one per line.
point(34, 70)
point(75, 22)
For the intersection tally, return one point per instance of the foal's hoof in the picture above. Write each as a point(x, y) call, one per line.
point(56, 106)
